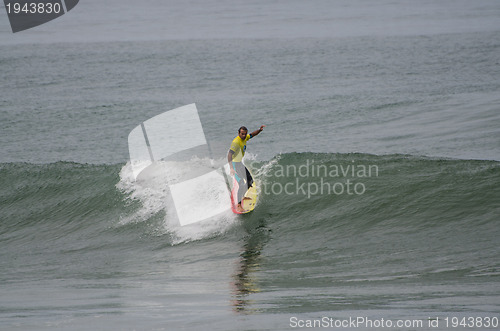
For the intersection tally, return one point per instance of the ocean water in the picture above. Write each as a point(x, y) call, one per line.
point(379, 168)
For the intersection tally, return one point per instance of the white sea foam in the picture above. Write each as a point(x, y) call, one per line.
point(154, 192)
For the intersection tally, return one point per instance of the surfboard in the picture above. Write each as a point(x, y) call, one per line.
point(247, 204)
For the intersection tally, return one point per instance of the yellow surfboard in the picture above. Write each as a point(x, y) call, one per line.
point(250, 199)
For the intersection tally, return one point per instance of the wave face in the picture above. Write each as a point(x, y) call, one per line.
point(349, 191)
point(383, 191)
point(331, 232)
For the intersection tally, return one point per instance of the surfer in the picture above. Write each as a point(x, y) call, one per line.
point(236, 166)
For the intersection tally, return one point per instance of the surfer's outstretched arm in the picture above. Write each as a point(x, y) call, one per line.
point(256, 132)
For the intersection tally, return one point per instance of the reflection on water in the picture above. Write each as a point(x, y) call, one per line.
point(245, 278)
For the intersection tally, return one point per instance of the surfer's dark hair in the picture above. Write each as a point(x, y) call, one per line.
point(242, 128)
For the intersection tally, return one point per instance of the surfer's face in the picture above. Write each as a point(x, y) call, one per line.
point(243, 134)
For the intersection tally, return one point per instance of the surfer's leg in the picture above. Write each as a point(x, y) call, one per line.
point(243, 187)
point(241, 195)
point(249, 178)
point(242, 183)
point(241, 192)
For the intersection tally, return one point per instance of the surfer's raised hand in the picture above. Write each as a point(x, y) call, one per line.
point(256, 132)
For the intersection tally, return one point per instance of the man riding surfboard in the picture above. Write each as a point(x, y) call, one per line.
point(236, 166)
